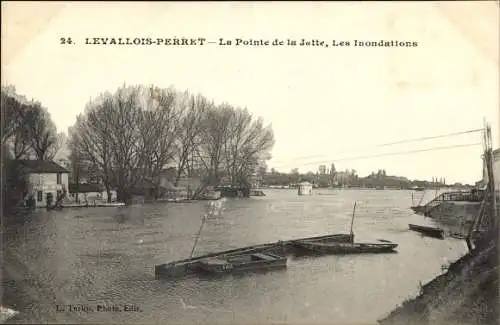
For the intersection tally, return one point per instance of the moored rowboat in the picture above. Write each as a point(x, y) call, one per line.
point(347, 248)
point(428, 231)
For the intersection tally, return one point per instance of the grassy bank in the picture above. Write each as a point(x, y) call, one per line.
point(467, 294)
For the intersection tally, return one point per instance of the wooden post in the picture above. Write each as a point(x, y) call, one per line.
point(352, 220)
point(198, 235)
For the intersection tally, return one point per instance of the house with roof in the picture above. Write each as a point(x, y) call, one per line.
point(43, 178)
point(304, 188)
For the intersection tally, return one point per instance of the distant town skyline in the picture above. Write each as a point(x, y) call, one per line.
point(326, 105)
point(327, 171)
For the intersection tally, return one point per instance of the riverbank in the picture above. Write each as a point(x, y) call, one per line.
point(466, 294)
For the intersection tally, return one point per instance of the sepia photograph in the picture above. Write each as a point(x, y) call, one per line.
point(250, 162)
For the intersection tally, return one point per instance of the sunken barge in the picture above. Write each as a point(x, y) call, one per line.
point(267, 257)
point(262, 257)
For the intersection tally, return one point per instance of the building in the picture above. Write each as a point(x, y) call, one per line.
point(322, 169)
point(496, 170)
point(463, 207)
point(304, 188)
point(42, 177)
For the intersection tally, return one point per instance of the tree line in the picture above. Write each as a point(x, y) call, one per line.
point(130, 135)
point(28, 130)
point(349, 177)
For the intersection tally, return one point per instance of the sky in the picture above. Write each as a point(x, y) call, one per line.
point(326, 105)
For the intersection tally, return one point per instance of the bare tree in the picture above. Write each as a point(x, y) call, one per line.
point(248, 143)
point(20, 144)
point(10, 116)
point(27, 127)
point(15, 126)
point(125, 120)
point(192, 111)
point(43, 133)
point(215, 130)
point(156, 145)
point(90, 140)
point(129, 136)
point(132, 134)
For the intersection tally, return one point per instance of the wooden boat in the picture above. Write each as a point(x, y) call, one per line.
point(190, 265)
point(243, 258)
point(244, 262)
point(428, 231)
point(347, 248)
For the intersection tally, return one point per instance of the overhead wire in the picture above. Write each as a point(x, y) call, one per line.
point(390, 144)
point(386, 154)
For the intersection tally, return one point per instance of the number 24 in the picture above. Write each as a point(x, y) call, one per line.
point(65, 40)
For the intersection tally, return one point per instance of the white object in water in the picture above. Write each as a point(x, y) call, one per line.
point(186, 306)
point(6, 313)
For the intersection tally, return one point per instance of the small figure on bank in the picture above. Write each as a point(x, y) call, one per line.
point(48, 199)
point(30, 202)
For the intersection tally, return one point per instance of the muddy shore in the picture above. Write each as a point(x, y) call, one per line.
point(466, 294)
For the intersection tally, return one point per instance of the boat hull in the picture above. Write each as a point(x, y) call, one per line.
point(428, 231)
point(347, 248)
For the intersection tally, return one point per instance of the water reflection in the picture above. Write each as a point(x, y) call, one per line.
point(107, 255)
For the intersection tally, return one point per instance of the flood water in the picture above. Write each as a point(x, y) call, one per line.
point(106, 256)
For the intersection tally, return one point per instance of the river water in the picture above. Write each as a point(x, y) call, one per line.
point(106, 256)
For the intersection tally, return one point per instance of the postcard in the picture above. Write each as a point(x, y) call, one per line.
point(250, 162)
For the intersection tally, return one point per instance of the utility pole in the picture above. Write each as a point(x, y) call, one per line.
point(491, 180)
point(489, 204)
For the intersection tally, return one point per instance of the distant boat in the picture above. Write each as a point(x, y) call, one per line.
point(417, 188)
point(347, 248)
point(428, 231)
